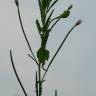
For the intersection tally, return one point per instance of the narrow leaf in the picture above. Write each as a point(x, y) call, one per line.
point(52, 5)
point(39, 3)
point(38, 26)
point(48, 20)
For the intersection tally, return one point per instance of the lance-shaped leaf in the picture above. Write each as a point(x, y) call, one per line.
point(52, 5)
point(49, 2)
point(39, 3)
point(48, 20)
point(43, 15)
point(46, 3)
point(38, 27)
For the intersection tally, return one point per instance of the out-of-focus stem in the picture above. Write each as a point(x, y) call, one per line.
point(55, 92)
point(17, 74)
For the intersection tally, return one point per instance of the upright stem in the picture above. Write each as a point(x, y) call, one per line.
point(39, 82)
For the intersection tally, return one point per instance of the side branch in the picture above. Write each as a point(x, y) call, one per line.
point(11, 57)
point(58, 50)
point(25, 35)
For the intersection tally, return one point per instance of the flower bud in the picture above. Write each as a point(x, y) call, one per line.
point(70, 7)
point(17, 3)
point(65, 14)
point(78, 22)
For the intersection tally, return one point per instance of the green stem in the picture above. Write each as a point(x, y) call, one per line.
point(58, 50)
point(39, 82)
point(55, 23)
point(22, 87)
point(55, 92)
point(25, 35)
point(54, 18)
point(36, 84)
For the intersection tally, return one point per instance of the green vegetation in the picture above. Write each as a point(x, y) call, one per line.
point(44, 26)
